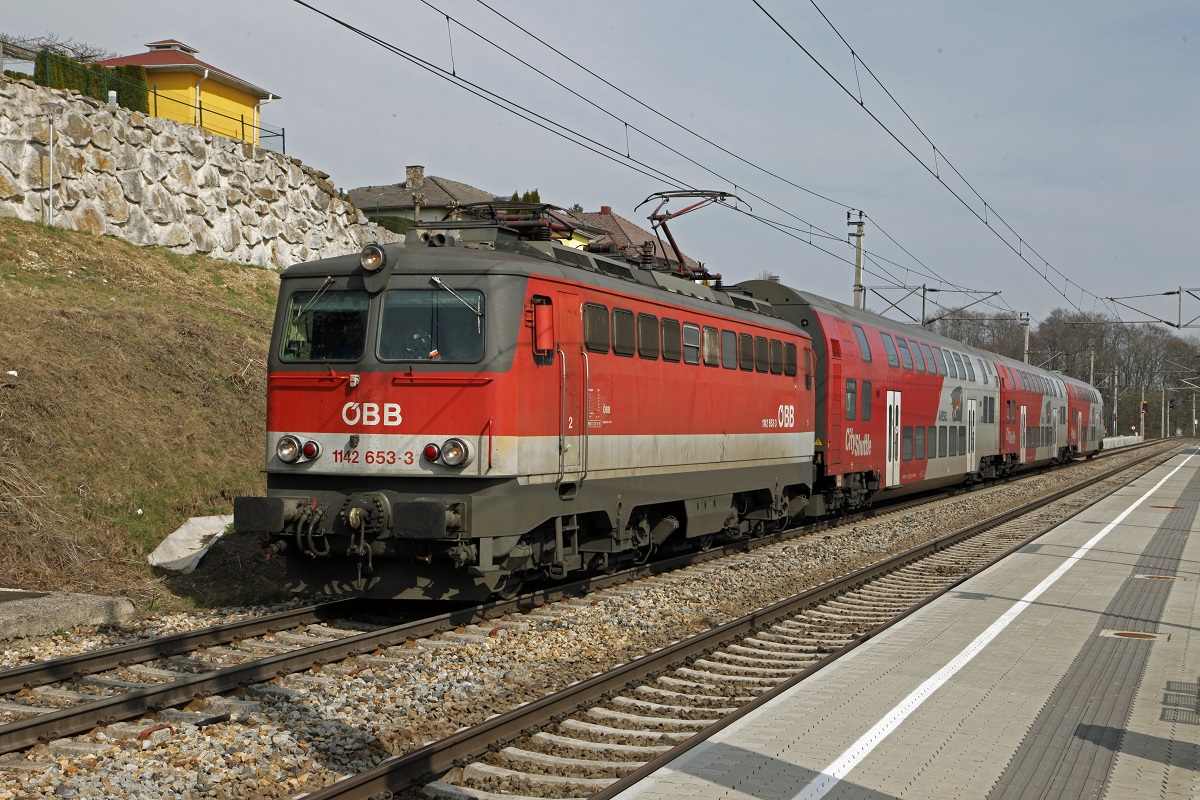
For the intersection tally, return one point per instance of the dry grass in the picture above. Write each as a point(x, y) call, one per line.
point(139, 401)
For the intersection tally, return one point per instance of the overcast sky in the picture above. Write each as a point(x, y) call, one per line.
point(1077, 123)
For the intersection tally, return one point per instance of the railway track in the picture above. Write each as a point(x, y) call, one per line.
point(50, 700)
point(600, 735)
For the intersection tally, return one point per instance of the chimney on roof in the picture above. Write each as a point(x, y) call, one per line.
point(414, 178)
point(607, 210)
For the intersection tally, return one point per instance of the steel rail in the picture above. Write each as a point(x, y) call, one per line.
point(419, 766)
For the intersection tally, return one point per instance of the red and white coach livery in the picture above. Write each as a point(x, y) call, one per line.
point(449, 418)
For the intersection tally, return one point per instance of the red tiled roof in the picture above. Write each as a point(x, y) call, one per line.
point(184, 61)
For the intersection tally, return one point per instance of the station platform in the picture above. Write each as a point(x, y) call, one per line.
point(1069, 670)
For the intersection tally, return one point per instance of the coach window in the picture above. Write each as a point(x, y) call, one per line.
point(728, 349)
point(712, 347)
point(919, 443)
point(890, 347)
point(595, 328)
point(982, 370)
point(952, 434)
point(918, 362)
point(933, 441)
point(906, 443)
point(970, 369)
point(929, 358)
point(905, 355)
point(866, 397)
point(941, 362)
point(624, 341)
point(672, 343)
point(789, 358)
point(746, 351)
point(863, 344)
point(951, 367)
point(647, 336)
point(962, 440)
point(691, 343)
point(761, 360)
point(851, 398)
point(943, 437)
point(776, 357)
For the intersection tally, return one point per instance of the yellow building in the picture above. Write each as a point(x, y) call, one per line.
point(185, 89)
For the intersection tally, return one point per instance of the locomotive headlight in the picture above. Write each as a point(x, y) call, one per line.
point(372, 258)
point(288, 449)
point(455, 453)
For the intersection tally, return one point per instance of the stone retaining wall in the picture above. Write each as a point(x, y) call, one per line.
point(152, 181)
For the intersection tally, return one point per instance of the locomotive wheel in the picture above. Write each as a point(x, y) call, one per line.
point(705, 542)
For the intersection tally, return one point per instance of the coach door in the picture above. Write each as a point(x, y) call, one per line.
point(971, 462)
point(1023, 433)
point(893, 440)
point(572, 426)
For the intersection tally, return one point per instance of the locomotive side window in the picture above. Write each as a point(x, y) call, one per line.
point(851, 398)
point(691, 343)
point(624, 343)
point(761, 359)
point(863, 344)
point(595, 327)
point(729, 350)
point(789, 358)
point(905, 355)
point(647, 336)
point(918, 362)
point(866, 401)
point(745, 351)
point(325, 326)
point(431, 325)
point(776, 357)
point(890, 347)
point(712, 347)
point(672, 342)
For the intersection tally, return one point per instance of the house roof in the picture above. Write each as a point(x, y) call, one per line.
point(439, 193)
point(170, 55)
point(624, 233)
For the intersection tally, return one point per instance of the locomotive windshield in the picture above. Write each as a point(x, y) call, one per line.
point(325, 326)
point(432, 325)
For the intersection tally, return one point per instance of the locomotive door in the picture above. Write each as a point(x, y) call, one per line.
point(1023, 434)
point(892, 477)
point(572, 423)
point(971, 462)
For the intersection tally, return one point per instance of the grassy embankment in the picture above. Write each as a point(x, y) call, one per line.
point(138, 402)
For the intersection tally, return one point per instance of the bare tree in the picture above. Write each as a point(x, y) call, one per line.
point(59, 45)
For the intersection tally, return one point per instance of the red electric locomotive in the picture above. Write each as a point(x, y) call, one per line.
point(453, 416)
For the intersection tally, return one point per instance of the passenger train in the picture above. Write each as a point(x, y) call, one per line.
point(483, 404)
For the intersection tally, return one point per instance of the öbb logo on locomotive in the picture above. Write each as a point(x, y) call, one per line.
point(568, 411)
point(367, 414)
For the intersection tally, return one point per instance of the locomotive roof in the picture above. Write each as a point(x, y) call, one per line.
point(496, 249)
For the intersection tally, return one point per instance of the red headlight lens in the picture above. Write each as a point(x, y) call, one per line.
point(431, 452)
point(311, 450)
